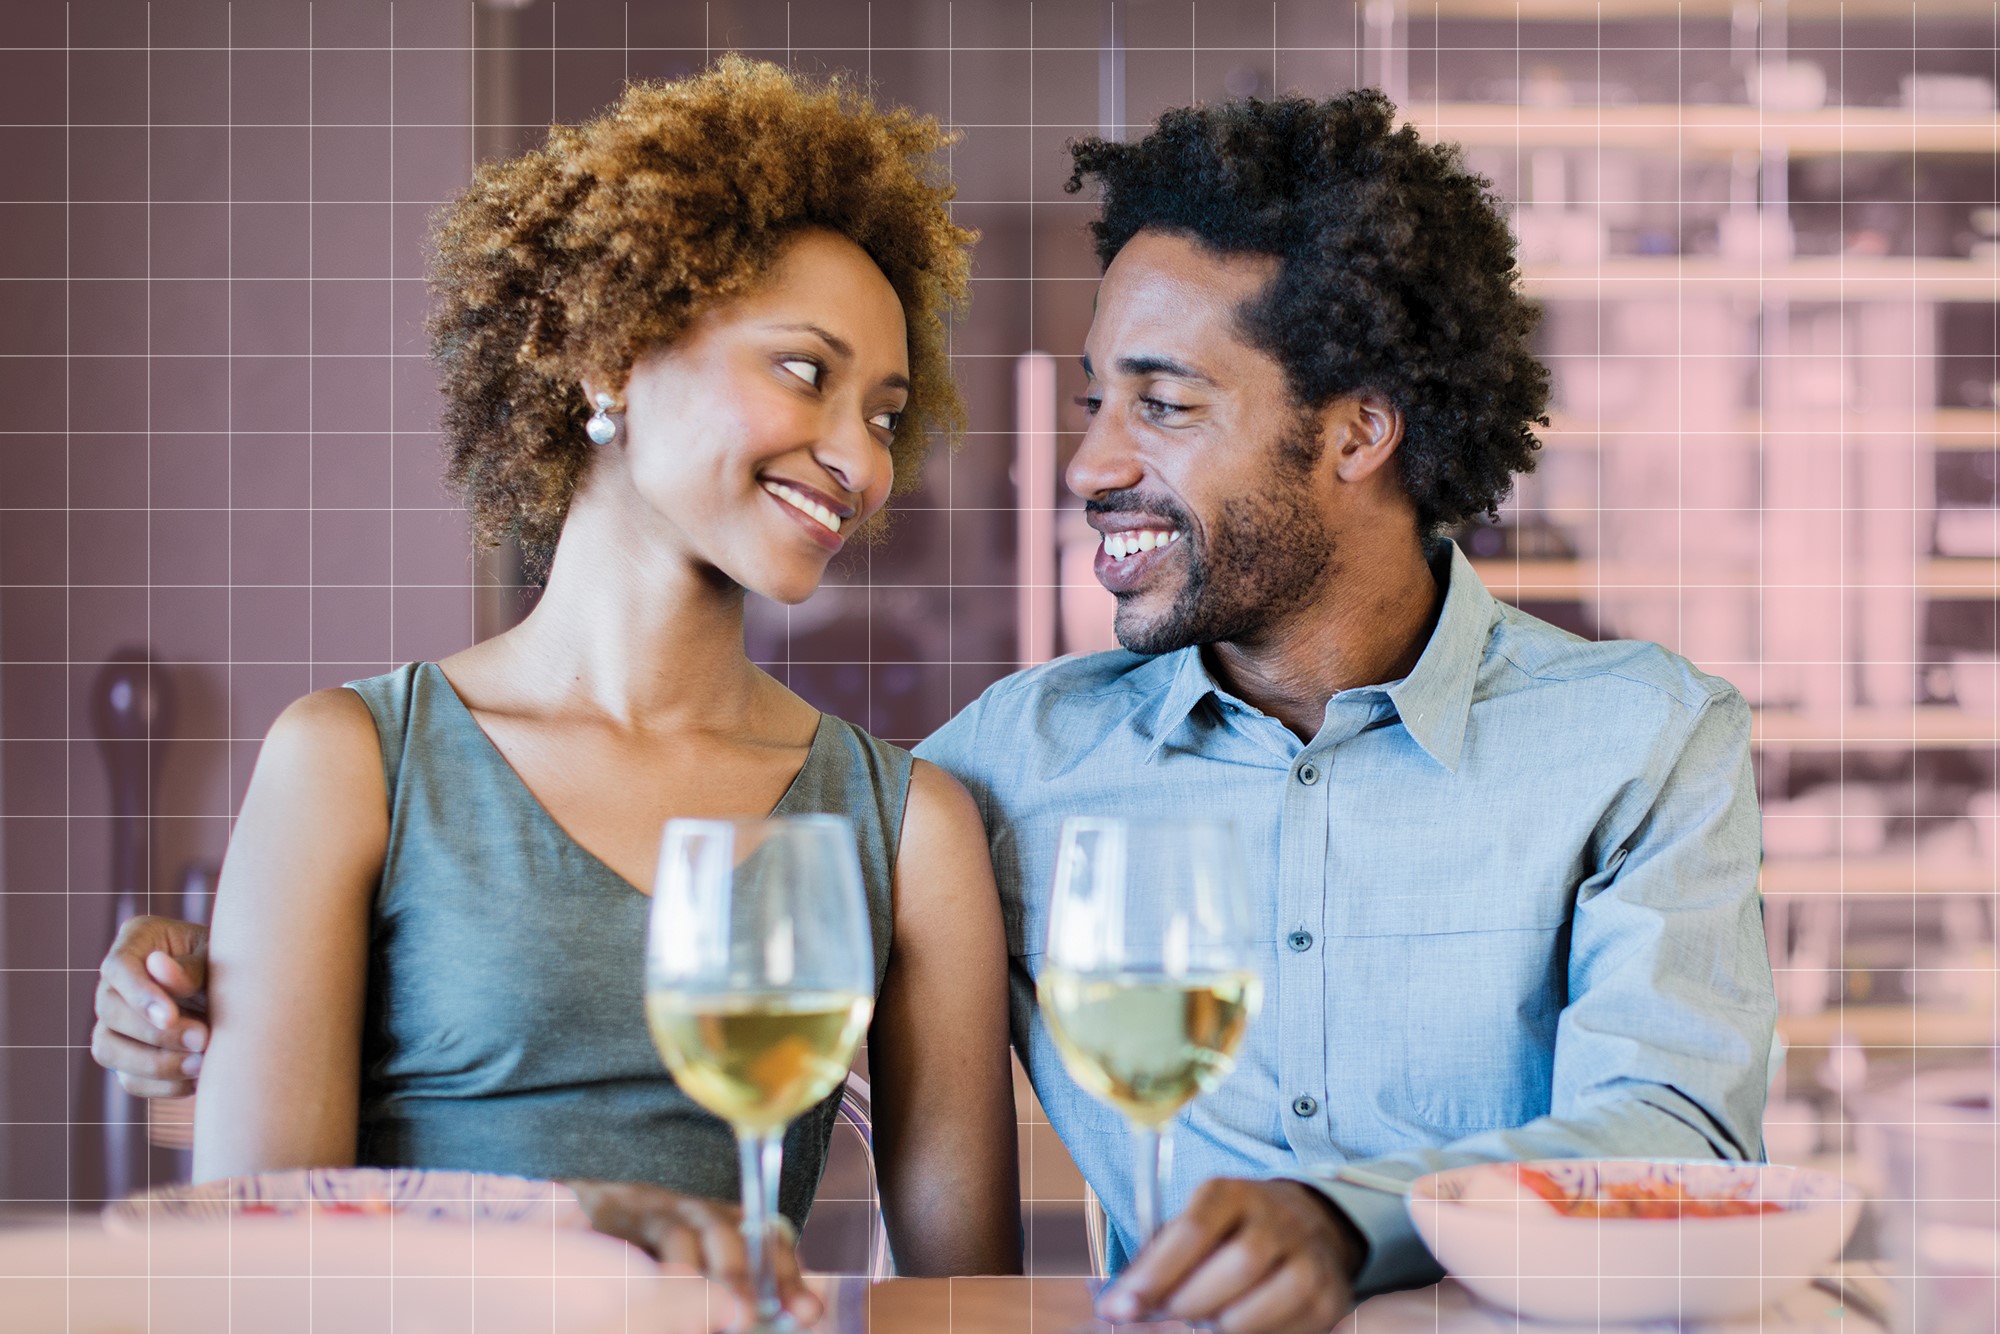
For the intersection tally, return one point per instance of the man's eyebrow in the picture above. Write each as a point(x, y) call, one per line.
point(845, 351)
point(1152, 364)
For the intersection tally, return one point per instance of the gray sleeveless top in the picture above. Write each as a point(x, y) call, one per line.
point(506, 1027)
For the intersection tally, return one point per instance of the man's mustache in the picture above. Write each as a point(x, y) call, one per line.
point(1135, 501)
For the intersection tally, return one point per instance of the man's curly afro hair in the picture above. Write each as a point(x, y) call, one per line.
point(1396, 272)
point(578, 258)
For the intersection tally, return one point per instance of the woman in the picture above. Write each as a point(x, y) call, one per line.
point(688, 349)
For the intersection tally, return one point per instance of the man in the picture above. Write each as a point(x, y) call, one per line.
point(1507, 877)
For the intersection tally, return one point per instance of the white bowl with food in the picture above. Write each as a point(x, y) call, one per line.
point(1600, 1241)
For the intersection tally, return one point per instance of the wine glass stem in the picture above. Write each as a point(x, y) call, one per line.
point(1148, 1166)
point(762, 1156)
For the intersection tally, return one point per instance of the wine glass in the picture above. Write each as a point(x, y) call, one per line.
point(760, 980)
point(1151, 974)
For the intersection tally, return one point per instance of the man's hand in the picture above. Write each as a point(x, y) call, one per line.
point(1249, 1257)
point(152, 1007)
point(701, 1234)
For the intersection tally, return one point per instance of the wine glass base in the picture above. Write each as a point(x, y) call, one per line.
point(782, 1323)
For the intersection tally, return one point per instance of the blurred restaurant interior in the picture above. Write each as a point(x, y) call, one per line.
point(1767, 243)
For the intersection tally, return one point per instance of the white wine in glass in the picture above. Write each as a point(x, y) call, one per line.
point(1147, 1043)
point(760, 981)
point(1150, 978)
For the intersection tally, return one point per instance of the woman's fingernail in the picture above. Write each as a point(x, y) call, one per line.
point(159, 1014)
point(191, 1065)
point(1119, 1305)
point(194, 1039)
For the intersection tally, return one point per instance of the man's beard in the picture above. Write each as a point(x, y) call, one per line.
point(1262, 557)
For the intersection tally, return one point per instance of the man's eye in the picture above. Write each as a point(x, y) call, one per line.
point(1159, 407)
point(1089, 403)
point(809, 371)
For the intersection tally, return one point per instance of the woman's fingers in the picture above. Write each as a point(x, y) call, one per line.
point(679, 1245)
point(792, 1290)
point(698, 1234)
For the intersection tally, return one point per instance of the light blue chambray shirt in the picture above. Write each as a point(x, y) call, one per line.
point(1508, 904)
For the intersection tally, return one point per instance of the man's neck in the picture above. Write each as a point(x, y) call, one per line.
point(1369, 626)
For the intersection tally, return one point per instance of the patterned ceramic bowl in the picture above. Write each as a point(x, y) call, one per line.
point(326, 1192)
point(1633, 1239)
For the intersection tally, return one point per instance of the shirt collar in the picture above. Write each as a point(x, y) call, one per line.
point(1433, 701)
point(1189, 685)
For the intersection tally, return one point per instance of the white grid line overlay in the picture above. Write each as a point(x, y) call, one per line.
point(1847, 741)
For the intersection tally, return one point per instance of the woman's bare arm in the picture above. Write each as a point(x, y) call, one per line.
point(943, 1104)
point(288, 957)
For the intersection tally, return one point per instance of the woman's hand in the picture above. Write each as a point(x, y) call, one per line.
point(701, 1234)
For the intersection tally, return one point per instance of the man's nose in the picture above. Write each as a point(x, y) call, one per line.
point(1105, 460)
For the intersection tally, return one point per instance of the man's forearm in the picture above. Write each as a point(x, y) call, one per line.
point(1650, 1122)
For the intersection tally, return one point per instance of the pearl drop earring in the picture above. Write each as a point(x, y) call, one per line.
point(600, 428)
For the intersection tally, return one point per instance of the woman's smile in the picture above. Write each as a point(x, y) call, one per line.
point(816, 514)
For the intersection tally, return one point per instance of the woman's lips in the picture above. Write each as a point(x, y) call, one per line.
point(807, 524)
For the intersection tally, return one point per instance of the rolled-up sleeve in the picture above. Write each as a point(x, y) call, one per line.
point(1662, 1050)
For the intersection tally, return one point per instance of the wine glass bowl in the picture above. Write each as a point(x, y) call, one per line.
point(1150, 979)
point(760, 981)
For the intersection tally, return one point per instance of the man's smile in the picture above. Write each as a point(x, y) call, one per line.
point(1128, 555)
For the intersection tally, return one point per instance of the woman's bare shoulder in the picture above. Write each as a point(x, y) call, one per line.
point(943, 855)
point(322, 755)
point(331, 721)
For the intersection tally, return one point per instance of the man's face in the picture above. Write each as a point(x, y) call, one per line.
point(1207, 481)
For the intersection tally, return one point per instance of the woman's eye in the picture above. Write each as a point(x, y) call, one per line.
point(809, 371)
point(888, 421)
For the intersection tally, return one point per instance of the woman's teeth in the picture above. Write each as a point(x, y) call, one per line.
point(798, 500)
point(1120, 545)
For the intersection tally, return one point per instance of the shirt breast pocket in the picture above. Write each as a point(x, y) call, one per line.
point(1472, 986)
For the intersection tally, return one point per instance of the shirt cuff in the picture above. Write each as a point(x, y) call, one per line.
point(1397, 1256)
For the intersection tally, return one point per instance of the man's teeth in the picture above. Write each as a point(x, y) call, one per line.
point(1120, 545)
point(798, 500)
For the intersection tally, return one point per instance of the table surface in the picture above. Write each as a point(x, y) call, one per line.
point(1062, 1306)
point(687, 1304)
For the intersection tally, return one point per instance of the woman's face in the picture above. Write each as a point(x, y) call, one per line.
point(761, 436)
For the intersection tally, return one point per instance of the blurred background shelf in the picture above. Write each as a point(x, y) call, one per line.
point(1918, 727)
point(1940, 577)
point(1888, 1026)
point(1686, 131)
point(1825, 278)
point(1945, 428)
point(1880, 875)
point(1591, 11)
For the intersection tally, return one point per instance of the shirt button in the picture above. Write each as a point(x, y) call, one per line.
point(1304, 1106)
point(1300, 941)
point(1308, 774)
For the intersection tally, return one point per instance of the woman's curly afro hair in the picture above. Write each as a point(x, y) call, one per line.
point(1396, 272)
point(576, 259)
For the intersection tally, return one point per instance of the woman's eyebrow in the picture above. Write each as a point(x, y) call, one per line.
point(845, 351)
point(841, 347)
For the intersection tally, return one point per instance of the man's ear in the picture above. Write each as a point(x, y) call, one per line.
point(1363, 430)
